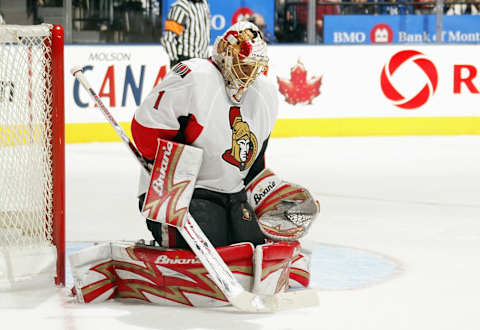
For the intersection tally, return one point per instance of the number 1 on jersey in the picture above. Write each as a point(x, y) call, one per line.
point(157, 102)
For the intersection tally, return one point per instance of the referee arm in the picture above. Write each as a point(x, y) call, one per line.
point(174, 27)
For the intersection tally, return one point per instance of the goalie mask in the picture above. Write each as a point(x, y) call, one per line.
point(241, 55)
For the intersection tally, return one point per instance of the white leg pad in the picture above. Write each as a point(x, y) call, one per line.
point(126, 271)
point(300, 269)
point(272, 267)
point(93, 275)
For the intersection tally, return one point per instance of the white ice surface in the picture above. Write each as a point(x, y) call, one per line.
point(412, 201)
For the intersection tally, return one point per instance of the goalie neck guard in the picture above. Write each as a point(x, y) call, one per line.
point(241, 55)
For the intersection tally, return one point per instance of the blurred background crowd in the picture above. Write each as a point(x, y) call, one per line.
point(117, 21)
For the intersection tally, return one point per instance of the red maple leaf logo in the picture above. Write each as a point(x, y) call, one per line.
point(299, 89)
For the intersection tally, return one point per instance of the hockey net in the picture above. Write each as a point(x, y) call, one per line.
point(32, 164)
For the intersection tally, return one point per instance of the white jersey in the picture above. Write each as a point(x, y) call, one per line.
point(191, 103)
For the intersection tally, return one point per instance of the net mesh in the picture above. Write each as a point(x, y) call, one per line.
point(25, 135)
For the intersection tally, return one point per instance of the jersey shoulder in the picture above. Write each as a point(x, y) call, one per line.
point(266, 85)
point(196, 71)
point(194, 75)
point(266, 89)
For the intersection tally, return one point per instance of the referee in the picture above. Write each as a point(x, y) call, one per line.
point(186, 33)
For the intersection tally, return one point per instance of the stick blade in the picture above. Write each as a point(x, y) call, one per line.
point(293, 299)
point(249, 302)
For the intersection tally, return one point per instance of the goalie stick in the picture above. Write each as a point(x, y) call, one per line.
point(204, 250)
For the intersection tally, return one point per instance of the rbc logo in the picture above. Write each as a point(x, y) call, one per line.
point(420, 97)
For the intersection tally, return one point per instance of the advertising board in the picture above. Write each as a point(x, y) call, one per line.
point(323, 90)
point(385, 29)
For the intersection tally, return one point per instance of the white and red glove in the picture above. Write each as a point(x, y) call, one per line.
point(285, 211)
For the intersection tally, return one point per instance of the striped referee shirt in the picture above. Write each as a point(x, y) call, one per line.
point(187, 30)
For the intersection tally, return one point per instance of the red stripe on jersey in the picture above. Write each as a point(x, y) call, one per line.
point(192, 130)
point(146, 138)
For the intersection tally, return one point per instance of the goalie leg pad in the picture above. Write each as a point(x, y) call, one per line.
point(300, 269)
point(272, 267)
point(176, 277)
point(125, 271)
point(94, 278)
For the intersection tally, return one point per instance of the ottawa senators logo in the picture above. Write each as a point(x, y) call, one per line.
point(244, 143)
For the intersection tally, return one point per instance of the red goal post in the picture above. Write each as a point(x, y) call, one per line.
point(32, 155)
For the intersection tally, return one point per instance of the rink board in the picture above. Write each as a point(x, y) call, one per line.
point(365, 90)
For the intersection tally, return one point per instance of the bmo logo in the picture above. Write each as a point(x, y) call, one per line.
point(409, 79)
point(349, 37)
point(381, 34)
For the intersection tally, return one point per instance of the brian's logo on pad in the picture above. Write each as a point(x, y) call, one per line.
point(244, 143)
point(171, 183)
point(163, 259)
point(159, 182)
point(263, 191)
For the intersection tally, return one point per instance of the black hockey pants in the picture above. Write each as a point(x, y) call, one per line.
point(224, 218)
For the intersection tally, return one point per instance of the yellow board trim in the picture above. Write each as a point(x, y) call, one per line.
point(377, 126)
point(94, 132)
point(324, 127)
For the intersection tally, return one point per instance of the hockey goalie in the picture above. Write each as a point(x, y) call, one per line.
point(204, 131)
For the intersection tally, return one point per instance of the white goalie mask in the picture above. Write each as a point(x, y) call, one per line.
point(241, 55)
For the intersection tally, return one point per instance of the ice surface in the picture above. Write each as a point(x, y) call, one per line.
point(397, 244)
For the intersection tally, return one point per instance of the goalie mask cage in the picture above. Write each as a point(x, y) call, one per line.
point(32, 155)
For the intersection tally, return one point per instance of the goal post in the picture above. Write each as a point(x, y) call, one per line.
point(32, 155)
